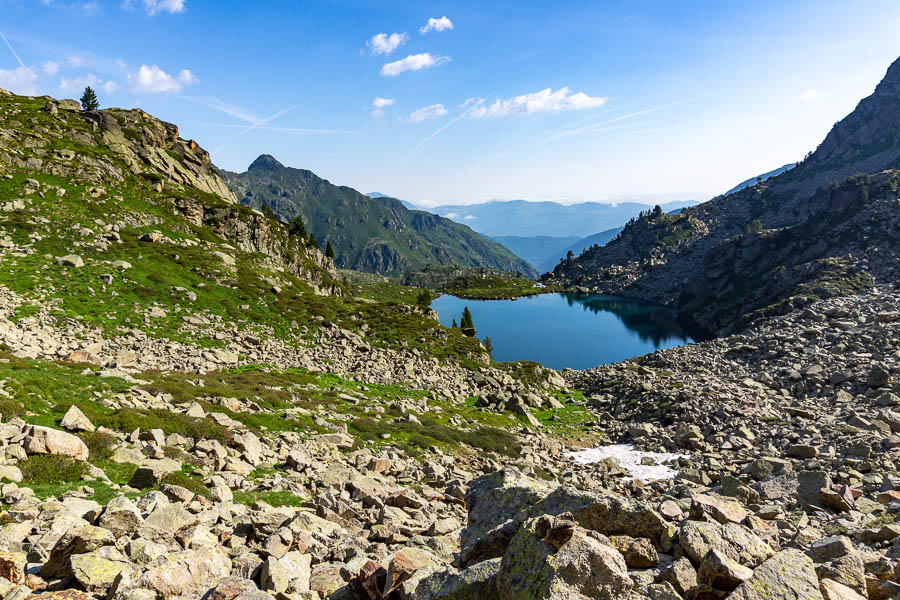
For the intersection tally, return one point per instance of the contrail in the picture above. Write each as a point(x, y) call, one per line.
point(594, 126)
point(590, 118)
point(8, 45)
point(232, 110)
point(452, 121)
point(267, 119)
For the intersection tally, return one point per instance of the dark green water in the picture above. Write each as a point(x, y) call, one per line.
point(569, 330)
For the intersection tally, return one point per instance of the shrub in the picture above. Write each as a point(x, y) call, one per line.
point(100, 444)
point(187, 482)
point(51, 468)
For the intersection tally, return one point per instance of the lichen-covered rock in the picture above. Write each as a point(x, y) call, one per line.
point(584, 568)
point(697, 538)
point(121, 517)
point(95, 572)
point(497, 497)
point(478, 582)
point(789, 575)
point(77, 540)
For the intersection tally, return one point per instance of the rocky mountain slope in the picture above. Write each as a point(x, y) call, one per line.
point(376, 235)
point(824, 227)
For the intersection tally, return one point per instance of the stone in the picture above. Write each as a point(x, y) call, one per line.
point(583, 569)
point(151, 472)
point(878, 377)
point(77, 540)
point(44, 440)
point(767, 466)
point(96, 573)
point(810, 483)
point(495, 498)
point(716, 508)
point(75, 420)
point(639, 553)
point(233, 588)
point(70, 260)
point(12, 566)
point(789, 575)
point(121, 517)
point(681, 575)
point(721, 572)
point(832, 590)
point(697, 538)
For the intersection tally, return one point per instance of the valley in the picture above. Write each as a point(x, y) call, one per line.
point(263, 386)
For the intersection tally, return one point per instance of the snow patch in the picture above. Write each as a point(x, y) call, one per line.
point(630, 460)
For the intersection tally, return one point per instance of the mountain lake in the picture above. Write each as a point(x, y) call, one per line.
point(570, 330)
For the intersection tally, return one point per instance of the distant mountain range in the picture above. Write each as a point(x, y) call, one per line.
point(376, 235)
point(520, 218)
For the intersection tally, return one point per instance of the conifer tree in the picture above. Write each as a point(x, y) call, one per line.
point(297, 228)
point(466, 321)
point(313, 243)
point(329, 251)
point(89, 99)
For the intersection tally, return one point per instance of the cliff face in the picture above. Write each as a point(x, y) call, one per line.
point(132, 156)
point(800, 236)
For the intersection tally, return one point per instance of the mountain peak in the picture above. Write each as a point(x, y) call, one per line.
point(265, 162)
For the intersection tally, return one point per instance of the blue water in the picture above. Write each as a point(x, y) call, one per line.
point(569, 330)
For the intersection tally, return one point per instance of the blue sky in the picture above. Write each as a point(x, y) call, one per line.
point(570, 101)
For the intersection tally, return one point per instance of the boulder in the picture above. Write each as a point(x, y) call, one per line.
point(583, 568)
point(121, 517)
point(697, 538)
point(75, 420)
point(789, 575)
point(722, 573)
point(77, 540)
point(44, 440)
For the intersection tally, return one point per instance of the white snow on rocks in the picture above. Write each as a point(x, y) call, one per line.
point(630, 460)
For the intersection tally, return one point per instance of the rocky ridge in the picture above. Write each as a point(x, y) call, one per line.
point(710, 262)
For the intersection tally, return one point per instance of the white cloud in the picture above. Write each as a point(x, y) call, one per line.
point(77, 61)
point(807, 96)
point(469, 217)
point(382, 43)
point(51, 68)
point(379, 102)
point(543, 101)
point(413, 62)
point(154, 7)
point(442, 24)
point(153, 80)
point(77, 84)
point(428, 112)
point(22, 80)
point(451, 215)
